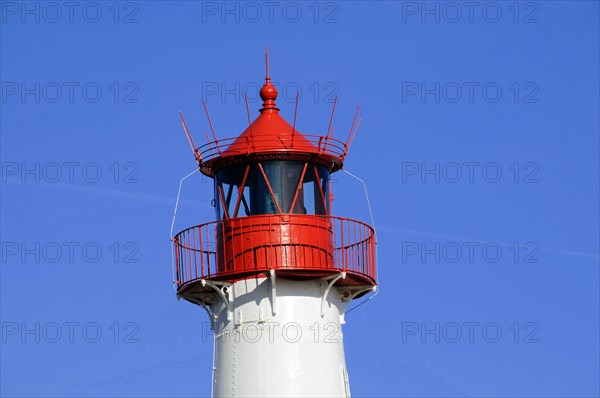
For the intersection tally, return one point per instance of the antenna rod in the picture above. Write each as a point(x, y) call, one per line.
point(189, 138)
point(267, 61)
point(352, 126)
point(208, 140)
point(331, 119)
point(294, 126)
point(355, 130)
point(211, 127)
point(247, 110)
point(249, 121)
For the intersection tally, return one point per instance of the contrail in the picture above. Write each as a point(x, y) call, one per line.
point(463, 239)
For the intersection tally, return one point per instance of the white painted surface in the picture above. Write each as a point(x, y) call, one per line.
point(280, 347)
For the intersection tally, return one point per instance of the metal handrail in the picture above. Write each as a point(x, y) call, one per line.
point(325, 145)
point(198, 249)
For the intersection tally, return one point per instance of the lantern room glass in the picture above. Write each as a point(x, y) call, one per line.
point(275, 193)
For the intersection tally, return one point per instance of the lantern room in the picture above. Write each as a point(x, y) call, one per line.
point(272, 187)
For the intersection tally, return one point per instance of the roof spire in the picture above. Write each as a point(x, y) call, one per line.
point(268, 93)
point(267, 62)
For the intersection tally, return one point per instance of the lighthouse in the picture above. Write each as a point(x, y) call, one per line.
point(276, 270)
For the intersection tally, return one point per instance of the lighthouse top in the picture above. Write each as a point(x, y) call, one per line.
point(271, 137)
point(273, 208)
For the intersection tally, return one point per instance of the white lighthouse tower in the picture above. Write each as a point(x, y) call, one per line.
point(276, 270)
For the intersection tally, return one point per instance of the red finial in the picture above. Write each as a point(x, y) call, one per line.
point(267, 61)
point(268, 93)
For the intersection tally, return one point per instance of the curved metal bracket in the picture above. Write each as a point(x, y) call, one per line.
point(206, 307)
point(360, 289)
point(334, 279)
point(222, 288)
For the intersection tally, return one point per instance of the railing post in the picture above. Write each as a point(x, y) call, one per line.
point(372, 252)
point(177, 280)
point(208, 247)
point(195, 254)
point(343, 246)
point(201, 252)
point(224, 245)
point(189, 260)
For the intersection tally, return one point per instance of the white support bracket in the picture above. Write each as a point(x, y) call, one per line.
point(273, 292)
point(359, 290)
point(209, 312)
point(334, 279)
point(222, 288)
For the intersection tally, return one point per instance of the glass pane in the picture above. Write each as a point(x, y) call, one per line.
point(227, 184)
point(284, 177)
point(321, 191)
point(244, 209)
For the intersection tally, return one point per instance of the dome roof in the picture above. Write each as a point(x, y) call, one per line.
point(270, 132)
point(269, 137)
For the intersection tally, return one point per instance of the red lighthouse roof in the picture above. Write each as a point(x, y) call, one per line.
point(270, 132)
point(270, 136)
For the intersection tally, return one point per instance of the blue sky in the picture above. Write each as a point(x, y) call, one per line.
point(479, 146)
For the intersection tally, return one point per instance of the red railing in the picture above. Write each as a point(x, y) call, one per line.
point(325, 145)
point(297, 244)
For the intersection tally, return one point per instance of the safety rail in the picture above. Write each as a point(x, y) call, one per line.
point(300, 245)
point(324, 145)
